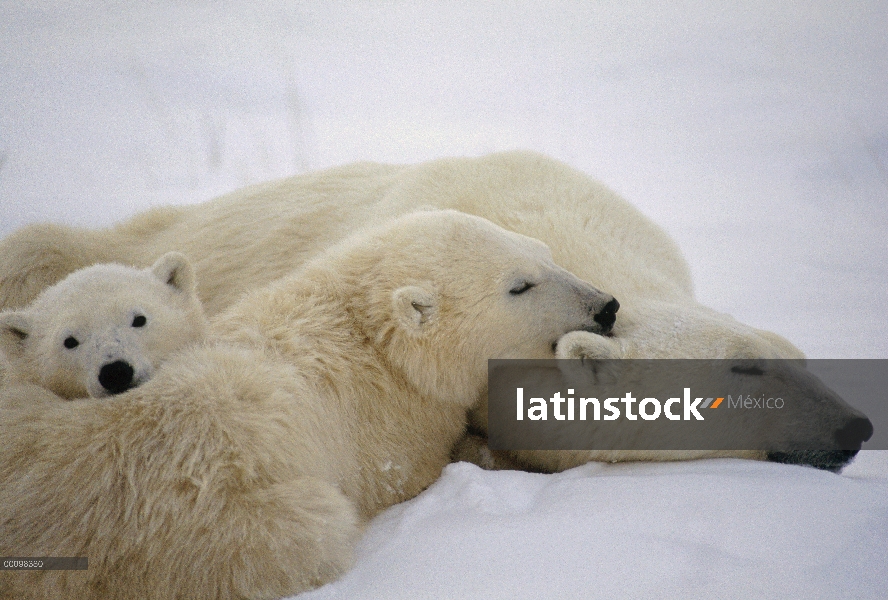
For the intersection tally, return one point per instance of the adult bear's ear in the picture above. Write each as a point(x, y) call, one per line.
point(15, 328)
point(174, 270)
point(783, 348)
point(414, 307)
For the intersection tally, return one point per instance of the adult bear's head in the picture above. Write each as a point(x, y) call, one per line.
point(824, 432)
point(441, 292)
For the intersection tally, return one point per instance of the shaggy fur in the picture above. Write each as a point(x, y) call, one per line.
point(104, 328)
point(246, 466)
point(246, 239)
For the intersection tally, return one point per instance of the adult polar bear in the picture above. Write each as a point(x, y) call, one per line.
point(244, 467)
point(248, 238)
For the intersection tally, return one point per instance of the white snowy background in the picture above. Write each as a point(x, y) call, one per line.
point(756, 133)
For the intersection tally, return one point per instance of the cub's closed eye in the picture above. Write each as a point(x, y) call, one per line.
point(747, 370)
point(139, 321)
point(71, 342)
point(521, 288)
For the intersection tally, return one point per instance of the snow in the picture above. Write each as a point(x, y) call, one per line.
point(755, 133)
point(711, 529)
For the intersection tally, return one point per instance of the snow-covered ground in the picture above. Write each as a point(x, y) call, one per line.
point(755, 133)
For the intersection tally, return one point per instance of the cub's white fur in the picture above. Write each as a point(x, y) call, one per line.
point(103, 329)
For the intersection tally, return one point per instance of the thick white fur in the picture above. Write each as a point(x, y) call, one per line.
point(246, 239)
point(251, 237)
point(245, 467)
point(97, 308)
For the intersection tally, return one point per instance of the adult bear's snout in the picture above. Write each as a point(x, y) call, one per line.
point(852, 435)
point(607, 316)
point(849, 438)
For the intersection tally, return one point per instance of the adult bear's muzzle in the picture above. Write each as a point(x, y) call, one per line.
point(607, 316)
point(849, 438)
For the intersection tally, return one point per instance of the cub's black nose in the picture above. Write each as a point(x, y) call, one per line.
point(116, 377)
point(607, 316)
point(852, 435)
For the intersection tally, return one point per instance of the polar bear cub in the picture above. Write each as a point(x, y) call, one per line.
point(318, 401)
point(103, 329)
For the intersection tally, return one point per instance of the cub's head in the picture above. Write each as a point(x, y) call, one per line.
point(103, 329)
point(441, 292)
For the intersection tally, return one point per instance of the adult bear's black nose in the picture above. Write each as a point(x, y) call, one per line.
point(607, 316)
point(854, 433)
point(116, 377)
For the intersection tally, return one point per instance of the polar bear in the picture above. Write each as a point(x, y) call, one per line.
point(250, 237)
point(246, 466)
point(103, 329)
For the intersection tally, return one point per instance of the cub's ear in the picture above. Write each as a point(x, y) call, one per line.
point(174, 269)
point(15, 328)
point(414, 307)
